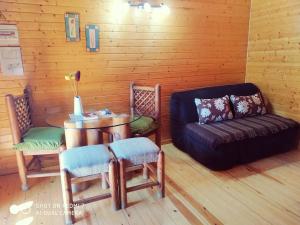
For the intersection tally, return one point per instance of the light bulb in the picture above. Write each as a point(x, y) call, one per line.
point(165, 8)
point(137, 11)
point(126, 6)
point(147, 7)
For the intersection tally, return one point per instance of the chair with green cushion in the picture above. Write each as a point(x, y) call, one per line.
point(31, 141)
point(145, 103)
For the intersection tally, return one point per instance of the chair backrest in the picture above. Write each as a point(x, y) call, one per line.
point(145, 100)
point(18, 108)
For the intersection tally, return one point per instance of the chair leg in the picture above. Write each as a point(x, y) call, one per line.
point(123, 183)
point(145, 172)
point(22, 170)
point(67, 197)
point(161, 174)
point(158, 137)
point(113, 185)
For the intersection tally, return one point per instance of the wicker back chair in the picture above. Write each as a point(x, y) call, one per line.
point(145, 101)
point(18, 108)
point(19, 113)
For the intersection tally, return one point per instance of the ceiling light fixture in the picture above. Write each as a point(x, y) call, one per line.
point(142, 4)
point(165, 8)
point(147, 7)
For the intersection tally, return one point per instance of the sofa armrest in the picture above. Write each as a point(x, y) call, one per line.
point(178, 119)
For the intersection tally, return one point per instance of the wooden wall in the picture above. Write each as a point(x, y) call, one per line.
point(200, 43)
point(273, 54)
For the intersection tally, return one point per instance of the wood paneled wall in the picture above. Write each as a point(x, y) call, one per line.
point(200, 43)
point(273, 54)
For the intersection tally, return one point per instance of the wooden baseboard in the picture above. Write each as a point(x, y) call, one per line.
point(166, 141)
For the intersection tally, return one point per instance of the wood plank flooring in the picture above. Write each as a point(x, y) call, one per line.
point(263, 192)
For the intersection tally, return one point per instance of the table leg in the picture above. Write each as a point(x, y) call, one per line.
point(94, 137)
point(74, 138)
point(82, 137)
point(122, 131)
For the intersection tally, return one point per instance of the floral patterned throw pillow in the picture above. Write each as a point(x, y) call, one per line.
point(214, 109)
point(248, 105)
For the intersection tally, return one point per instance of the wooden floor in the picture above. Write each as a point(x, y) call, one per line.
point(264, 192)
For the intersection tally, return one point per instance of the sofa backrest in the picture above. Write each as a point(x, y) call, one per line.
point(182, 105)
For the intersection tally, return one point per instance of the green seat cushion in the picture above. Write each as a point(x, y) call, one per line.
point(42, 138)
point(143, 125)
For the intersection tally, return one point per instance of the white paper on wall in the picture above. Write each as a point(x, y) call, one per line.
point(11, 61)
point(9, 35)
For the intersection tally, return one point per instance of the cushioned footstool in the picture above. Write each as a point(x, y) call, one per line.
point(86, 163)
point(135, 153)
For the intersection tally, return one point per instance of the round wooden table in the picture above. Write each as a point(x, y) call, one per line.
point(82, 131)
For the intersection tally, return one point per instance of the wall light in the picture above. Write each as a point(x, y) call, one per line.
point(165, 8)
point(143, 4)
point(147, 7)
point(119, 10)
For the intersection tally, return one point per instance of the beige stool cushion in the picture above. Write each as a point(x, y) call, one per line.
point(136, 151)
point(86, 160)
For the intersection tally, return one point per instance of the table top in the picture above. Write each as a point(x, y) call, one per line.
point(63, 120)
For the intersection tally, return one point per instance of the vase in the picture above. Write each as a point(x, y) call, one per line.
point(78, 110)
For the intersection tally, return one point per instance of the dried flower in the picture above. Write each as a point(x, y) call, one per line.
point(75, 76)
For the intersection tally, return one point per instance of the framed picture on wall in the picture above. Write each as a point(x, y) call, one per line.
point(72, 25)
point(92, 37)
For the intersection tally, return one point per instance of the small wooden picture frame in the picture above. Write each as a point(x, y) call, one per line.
point(72, 25)
point(92, 37)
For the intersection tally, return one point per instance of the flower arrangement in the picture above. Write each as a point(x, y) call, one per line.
point(75, 77)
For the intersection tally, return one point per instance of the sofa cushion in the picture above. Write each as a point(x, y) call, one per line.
point(213, 109)
point(42, 138)
point(215, 134)
point(250, 105)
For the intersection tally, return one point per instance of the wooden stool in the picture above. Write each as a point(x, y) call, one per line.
point(133, 154)
point(83, 164)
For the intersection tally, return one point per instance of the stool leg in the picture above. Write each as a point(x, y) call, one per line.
point(67, 197)
point(145, 172)
point(161, 174)
point(104, 183)
point(123, 183)
point(113, 185)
